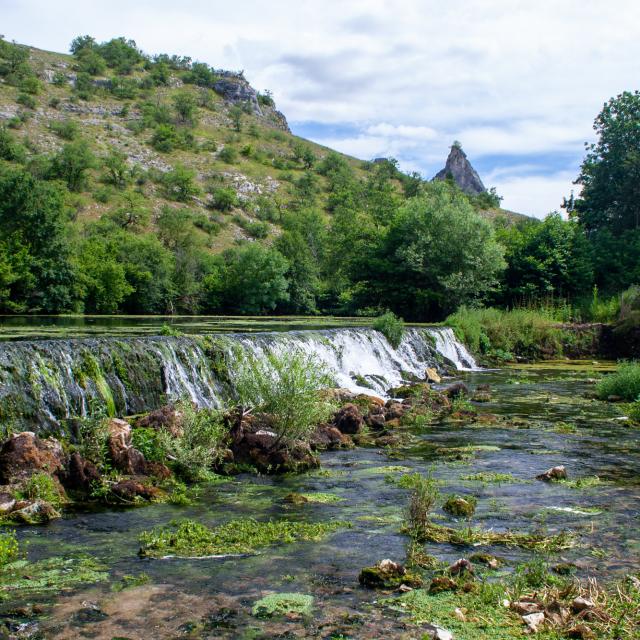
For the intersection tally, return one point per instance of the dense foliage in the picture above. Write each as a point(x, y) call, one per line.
point(86, 226)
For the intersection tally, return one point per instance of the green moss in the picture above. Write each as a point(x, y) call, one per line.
point(192, 539)
point(487, 477)
point(460, 506)
point(23, 578)
point(280, 604)
point(319, 497)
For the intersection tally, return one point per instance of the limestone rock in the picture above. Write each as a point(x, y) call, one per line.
point(126, 458)
point(534, 621)
point(349, 420)
point(326, 437)
point(388, 574)
point(555, 473)
point(463, 174)
point(432, 375)
point(25, 454)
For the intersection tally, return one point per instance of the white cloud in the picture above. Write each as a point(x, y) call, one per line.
point(503, 77)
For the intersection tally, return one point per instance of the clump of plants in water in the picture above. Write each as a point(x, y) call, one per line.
point(391, 327)
point(423, 498)
point(623, 384)
point(191, 539)
point(460, 506)
point(284, 388)
point(280, 604)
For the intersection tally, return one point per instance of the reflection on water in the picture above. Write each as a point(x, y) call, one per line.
point(213, 598)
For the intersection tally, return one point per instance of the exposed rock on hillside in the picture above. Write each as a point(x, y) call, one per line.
point(460, 169)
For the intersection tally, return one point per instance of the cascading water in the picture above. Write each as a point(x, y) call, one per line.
point(43, 382)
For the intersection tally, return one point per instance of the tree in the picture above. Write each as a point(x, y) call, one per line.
point(40, 275)
point(236, 113)
point(117, 170)
point(610, 172)
point(256, 279)
point(71, 164)
point(185, 105)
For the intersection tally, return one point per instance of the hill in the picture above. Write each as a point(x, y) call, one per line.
point(166, 148)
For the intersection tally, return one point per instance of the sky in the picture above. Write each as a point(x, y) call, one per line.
point(518, 83)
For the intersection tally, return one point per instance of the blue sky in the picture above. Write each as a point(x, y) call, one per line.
point(517, 83)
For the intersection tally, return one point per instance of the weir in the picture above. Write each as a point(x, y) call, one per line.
point(45, 381)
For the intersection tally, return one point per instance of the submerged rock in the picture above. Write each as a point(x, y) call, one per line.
point(459, 506)
point(24, 454)
point(457, 390)
point(553, 474)
point(388, 574)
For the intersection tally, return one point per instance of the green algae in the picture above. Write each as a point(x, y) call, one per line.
point(188, 538)
point(280, 604)
point(487, 477)
point(23, 578)
point(130, 582)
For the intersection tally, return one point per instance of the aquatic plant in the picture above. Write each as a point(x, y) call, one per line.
point(195, 450)
point(9, 548)
point(285, 388)
point(192, 539)
point(391, 327)
point(280, 604)
point(130, 582)
point(624, 383)
point(423, 498)
point(488, 477)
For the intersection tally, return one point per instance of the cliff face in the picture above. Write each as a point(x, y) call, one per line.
point(459, 167)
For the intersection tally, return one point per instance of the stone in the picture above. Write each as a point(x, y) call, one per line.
point(376, 421)
point(33, 512)
point(393, 410)
point(553, 474)
point(460, 507)
point(581, 632)
point(326, 437)
point(432, 375)
point(80, 474)
point(235, 89)
point(388, 574)
point(581, 604)
point(129, 490)
point(525, 607)
point(168, 418)
point(7, 502)
point(126, 458)
point(24, 454)
point(457, 390)
point(460, 567)
point(348, 419)
point(464, 175)
point(442, 583)
point(534, 621)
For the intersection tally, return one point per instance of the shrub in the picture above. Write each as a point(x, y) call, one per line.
point(284, 386)
point(624, 383)
point(200, 445)
point(179, 184)
point(65, 129)
point(392, 327)
point(9, 148)
point(41, 486)
point(27, 100)
point(228, 154)
point(224, 198)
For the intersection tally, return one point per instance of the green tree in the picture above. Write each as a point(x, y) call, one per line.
point(256, 279)
point(117, 170)
point(71, 164)
point(186, 106)
point(236, 113)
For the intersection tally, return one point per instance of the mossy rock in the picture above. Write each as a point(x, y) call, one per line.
point(460, 507)
point(388, 575)
point(280, 604)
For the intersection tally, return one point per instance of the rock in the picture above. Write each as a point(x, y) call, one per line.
point(326, 437)
point(557, 614)
point(24, 454)
point(388, 441)
point(388, 574)
point(348, 419)
point(459, 506)
point(442, 583)
point(129, 490)
point(534, 621)
point(262, 450)
point(295, 498)
point(482, 393)
point(581, 632)
point(553, 474)
point(393, 410)
point(235, 89)
point(524, 607)
point(168, 418)
point(564, 568)
point(457, 390)
point(376, 421)
point(485, 558)
point(463, 174)
point(157, 470)
point(126, 458)
point(80, 474)
point(35, 512)
point(7, 502)
point(460, 567)
point(432, 375)
point(581, 604)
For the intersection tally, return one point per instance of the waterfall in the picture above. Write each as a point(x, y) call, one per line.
point(45, 381)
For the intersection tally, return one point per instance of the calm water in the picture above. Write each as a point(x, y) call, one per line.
point(213, 598)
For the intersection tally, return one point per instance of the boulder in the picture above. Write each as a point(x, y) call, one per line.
point(33, 512)
point(80, 474)
point(129, 490)
point(167, 418)
point(376, 421)
point(553, 474)
point(7, 502)
point(460, 507)
point(348, 419)
point(457, 390)
point(126, 458)
point(327, 437)
point(24, 454)
point(534, 621)
point(458, 168)
point(461, 567)
point(388, 574)
point(393, 410)
point(432, 375)
point(442, 583)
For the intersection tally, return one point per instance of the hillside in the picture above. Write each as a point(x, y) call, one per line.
point(162, 161)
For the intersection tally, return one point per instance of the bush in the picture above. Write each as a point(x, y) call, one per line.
point(224, 198)
point(522, 332)
point(200, 445)
point(9, 148)
point(26, 100)
point(391, 327)
point(179, 184)
point(285, 387)
point(65, 129)
point(228, 154)
point(624, 383)
point(41, 486)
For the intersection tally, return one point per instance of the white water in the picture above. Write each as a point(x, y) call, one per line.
point(448, 345)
